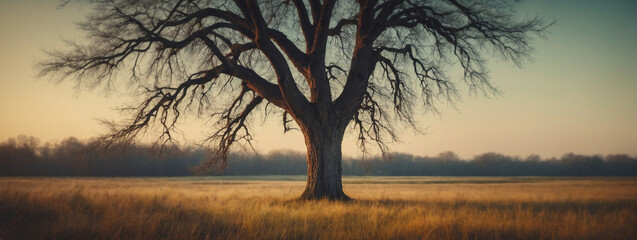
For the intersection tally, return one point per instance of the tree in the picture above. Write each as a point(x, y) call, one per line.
point(320, 64)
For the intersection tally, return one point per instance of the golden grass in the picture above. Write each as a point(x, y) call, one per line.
point(385, 208)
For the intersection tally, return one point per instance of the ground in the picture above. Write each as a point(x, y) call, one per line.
point(264, 208)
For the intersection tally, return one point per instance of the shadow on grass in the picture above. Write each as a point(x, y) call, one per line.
point(73, 215)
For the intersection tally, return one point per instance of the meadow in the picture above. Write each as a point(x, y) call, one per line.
point(265, 208)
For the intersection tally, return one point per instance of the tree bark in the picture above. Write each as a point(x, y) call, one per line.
point(324, 164)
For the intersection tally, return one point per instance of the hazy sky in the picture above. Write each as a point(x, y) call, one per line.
point(579, 94)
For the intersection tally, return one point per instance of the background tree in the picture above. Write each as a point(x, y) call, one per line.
point(319, 64)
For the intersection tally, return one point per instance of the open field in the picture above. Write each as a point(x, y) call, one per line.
point(263, 208)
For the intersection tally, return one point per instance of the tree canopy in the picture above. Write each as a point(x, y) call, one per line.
point(319, 64)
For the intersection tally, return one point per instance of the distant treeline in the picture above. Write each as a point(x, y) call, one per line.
point(24, 156)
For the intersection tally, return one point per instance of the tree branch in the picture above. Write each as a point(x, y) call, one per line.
point(306, 25)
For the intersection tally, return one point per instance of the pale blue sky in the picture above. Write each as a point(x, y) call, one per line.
point(579, 94)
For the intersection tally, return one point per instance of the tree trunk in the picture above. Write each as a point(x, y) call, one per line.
point(324, 164)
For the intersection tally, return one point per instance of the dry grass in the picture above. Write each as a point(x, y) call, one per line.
point(386, 208)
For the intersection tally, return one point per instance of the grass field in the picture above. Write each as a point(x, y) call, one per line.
point(264, 208)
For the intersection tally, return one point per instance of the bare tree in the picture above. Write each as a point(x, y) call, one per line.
point(319, 64)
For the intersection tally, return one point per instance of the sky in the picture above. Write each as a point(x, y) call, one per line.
point(578, 94)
